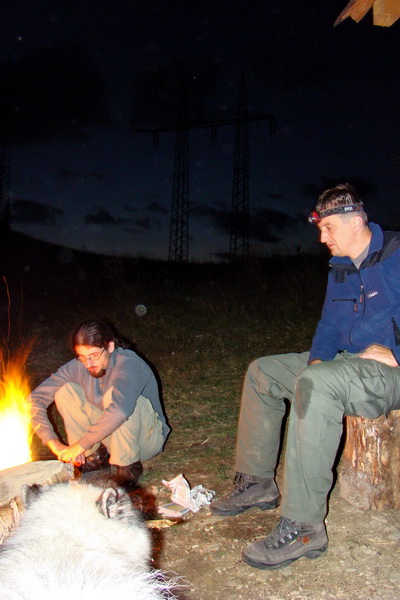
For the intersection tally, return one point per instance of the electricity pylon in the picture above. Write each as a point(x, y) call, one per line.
point(179, 229)
point(240, 216)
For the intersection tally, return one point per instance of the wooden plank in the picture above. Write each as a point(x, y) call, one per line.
point(356, 9)
point(386, 12)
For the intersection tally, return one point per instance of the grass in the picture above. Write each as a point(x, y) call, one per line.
point(203, 326)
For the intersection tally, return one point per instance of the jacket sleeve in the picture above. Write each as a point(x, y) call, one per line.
point(43, 395)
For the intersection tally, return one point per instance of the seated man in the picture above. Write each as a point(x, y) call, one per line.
point(107, 395)
point(351, 369)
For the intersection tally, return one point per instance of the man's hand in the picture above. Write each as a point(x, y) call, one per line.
point(74, 453)
point(379, 353)
point(56, 447)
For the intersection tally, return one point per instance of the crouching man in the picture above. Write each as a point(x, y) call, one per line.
point(351, 369)
point(108, 398)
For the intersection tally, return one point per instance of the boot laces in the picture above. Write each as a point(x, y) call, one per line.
point(241, 484)
point(285, 532)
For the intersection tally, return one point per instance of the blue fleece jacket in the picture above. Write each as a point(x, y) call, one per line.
point(362, 306)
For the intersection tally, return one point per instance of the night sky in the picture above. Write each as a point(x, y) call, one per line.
point(79, 78)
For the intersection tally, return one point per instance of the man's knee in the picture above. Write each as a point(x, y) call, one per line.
point(258, 373)
point(70, 392)
point(253, 368)
point(315, 388)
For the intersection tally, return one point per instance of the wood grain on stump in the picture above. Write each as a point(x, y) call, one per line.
point(369, 471)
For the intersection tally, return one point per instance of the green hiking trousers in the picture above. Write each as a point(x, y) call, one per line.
point(320, 396)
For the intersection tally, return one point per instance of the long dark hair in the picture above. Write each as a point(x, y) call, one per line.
point(98, 333)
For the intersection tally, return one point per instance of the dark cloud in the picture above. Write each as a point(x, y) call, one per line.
point(103, 217)
point(156, 207)
point(259, 226)
point(30, 211)
point(268, 225)
point(99, 177)
point(133, 231)
point(204, 210)
point(144, 223)
point(74, 176)
point(67, 174)
point(129, 208)
point(265, 224)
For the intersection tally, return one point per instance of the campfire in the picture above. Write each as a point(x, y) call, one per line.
point(17, 466)
point(15, 429)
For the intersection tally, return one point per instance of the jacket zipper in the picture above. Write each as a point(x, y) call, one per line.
point(348, 300)
point(356, 302)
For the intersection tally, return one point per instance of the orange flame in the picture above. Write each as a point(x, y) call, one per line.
point(15, 426)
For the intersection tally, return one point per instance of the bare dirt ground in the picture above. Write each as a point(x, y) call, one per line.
point(361, 562)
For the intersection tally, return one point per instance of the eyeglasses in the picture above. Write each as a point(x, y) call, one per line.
point(92, 357)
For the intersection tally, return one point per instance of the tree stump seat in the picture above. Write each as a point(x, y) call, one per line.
point(369, 469)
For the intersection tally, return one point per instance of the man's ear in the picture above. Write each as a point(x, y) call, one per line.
point(358, 223)
point(111, 347)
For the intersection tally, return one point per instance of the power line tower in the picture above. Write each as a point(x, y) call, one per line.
point(239, 237)
point(179, 228)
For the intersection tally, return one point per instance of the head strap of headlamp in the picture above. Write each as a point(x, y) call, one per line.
point(315, 217)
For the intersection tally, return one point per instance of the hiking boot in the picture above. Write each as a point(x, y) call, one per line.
point(97, 461)
point(249, 491)
point(289, 541)
point(128, 476)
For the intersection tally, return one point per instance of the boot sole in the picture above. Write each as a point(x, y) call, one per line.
point(239, 509)
point(93, 476)
point(100, 469)
point(311, 554)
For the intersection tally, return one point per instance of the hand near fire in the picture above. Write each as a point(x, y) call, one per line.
point(73, 454)
point(70, 454)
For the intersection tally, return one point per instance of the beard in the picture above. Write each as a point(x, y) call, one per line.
point(97, 373)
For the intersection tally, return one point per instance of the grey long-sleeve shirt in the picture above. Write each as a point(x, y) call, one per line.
point(127, 374)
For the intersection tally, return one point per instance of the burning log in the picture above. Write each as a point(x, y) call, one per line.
point(12, 481)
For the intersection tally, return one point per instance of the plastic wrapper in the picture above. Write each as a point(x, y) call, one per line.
point(190, 499)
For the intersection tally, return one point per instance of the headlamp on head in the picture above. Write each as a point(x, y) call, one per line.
point(315, 217)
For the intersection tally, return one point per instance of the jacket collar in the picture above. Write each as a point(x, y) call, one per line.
point(345, 263)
